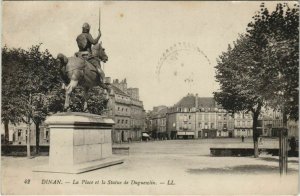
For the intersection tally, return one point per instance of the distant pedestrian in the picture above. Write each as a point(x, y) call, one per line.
point(243, 138)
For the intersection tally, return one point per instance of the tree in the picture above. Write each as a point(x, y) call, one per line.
point(12, 106)
point(96, 103)
point(262, 68)
point(27, 88)
point(238, 73)
point(276, 35)
point(41, 75)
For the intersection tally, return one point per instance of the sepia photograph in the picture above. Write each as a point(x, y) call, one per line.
point(150, 98)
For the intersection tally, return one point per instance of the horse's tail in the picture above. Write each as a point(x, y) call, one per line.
point(62, 59)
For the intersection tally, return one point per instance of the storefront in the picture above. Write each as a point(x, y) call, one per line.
point(185, 135)
point(209, 133)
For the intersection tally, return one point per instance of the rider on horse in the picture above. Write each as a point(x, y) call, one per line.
point(85, 42)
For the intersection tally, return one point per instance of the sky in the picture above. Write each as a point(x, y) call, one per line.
point(166, 49)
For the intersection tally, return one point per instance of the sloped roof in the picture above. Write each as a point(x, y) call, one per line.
point(189, 101)
point(118, 91)
point(207, 102)
point(163, 111)
point(160, 113)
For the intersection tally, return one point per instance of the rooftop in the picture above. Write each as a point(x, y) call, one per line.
point(118, 91)
point(189, 101)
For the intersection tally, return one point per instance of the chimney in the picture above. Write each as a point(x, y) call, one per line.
point(196, 101)
point(124, 85)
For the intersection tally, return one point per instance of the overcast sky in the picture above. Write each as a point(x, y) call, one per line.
point(137, 35)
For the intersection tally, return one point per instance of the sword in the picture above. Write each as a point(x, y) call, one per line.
point(99, 17)
point(100, 26)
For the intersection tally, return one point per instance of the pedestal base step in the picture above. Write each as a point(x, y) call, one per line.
point(80, 168)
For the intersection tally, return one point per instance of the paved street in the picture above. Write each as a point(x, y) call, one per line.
point(185, 164)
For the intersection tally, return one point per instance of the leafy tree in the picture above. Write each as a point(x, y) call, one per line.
point(240, 82)
point(29, 76)
point(96, 100)
point(41, 75)
point(276, 35)
point(12, 105)
point(262, 67)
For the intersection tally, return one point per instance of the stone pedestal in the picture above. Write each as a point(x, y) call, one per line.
point(79, 142)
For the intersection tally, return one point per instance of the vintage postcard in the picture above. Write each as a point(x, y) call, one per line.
point(149, 98)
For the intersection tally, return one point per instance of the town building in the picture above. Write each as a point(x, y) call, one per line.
point(127, 111)
point(138, 115)
point(158, 122)
point(225, 123)
point(243, 124)
point(293, 128)
point(148, 123)
point(198, 117)
point(18, 134)
point(272, 122)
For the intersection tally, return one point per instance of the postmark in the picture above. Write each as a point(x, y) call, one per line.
point(182, 61)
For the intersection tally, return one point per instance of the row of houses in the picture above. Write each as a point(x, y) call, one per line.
point(126, 109)
point(202, 117)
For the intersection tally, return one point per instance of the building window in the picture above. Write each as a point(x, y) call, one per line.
point(219, 116)
point(184, 118)
point(189, 116)
point(122, 121)
point(212, 125)
point(200, 125)
point(219, 125)
point(206, 117)
point(19, 132)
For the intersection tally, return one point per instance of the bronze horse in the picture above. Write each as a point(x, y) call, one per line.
point(81, 72)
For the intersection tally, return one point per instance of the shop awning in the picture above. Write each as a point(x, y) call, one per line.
point(185, 133)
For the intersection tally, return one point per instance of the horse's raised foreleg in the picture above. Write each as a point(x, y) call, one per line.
point(69, 90)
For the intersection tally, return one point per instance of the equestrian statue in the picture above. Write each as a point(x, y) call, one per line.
point(84, 68)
